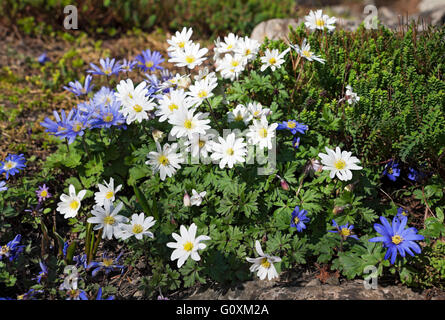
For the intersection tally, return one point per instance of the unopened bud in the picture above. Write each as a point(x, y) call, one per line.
point(157, 134)
point(338, 209)
point(284, 184)
point(187, 201)
point(349, 187)
point(316, 165)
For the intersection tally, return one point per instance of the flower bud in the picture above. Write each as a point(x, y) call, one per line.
point(284, 184)
point(338, 209)
point(157, 134)
point(349, 187)
point(187, 201)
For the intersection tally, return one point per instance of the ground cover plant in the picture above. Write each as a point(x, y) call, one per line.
point(249, 160)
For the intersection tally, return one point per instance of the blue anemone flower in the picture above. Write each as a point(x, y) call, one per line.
point(81, 260)
point(344, 231)
point(296, 142)
point(29, 295)
point(78, 89)
point(293, 126)
point(154, 87)
point(107, 265)
point(12, 249)
point(150, 60)
point(402, 213)
point(128, 66)
point(108, 116)
point(43, 273)
point(77, 126)
point(109, 67)
point(392, 170)
point(3, 186)
point(299, 219)
point(13, 164)
point(415, 175)
point(59, 127)
point(43, 58)
point(105, 96)
point(396, 238)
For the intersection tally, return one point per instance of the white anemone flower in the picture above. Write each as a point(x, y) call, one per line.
point(339, 163)
point(186, 123)
point(106, 192)
point(165, 160)
point(201, 90)
point(180, 39)
point(351, 96)
point(318, 20)
point(197, 198)
point(70, 204)
point(125, 91)
point(240, 113)
point(229, 151)
point(107, 218)
point(273, 59)
point(231, 66)
point(257, 111)
point(200, 144)
point(247, 48)
point(229, 44)
point(261, 133)
point(305, 51)
point(263, 264)
point(138, 227)
point(170, 103)
point(187, 244)
point(190, 57)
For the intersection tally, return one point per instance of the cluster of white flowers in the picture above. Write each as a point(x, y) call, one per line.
point(105, 213)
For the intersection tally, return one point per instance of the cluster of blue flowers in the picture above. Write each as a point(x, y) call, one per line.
point(102, 110)
point(294, 127)
point(12, 249)
point(392, 172)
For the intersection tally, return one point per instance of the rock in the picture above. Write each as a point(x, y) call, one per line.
point(274, 29)
point(333, 281)
point(432, 11)
point(275, 290)
point(313, 283)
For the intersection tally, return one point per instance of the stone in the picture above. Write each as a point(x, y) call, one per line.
point(276, 290)
point(313, 283)
point(274, 29)
point(432, 11)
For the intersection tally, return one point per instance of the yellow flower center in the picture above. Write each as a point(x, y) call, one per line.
point(345, 232)
point(74, 204)
point(230, 46)
point(307, 54)
point(188, 124)
point(201, 143)
point(230, 152)
point(235, 63)
point(130, 96)
point(173, 107)
point(188, 246)
point(108, 117)
point(149, 64)
point(202, 94)
point(238, 117)
point(396, 239)
point(137, 108)
point(108, 71)
point(107, 262)
point(263, 133)
point(163, 160)
point(256, 113)
point(272, 60)
point(291, 124)
point(43, 193)
point(296, 220)
point(265, 263)
point(404, 213)
point(181, 44)
point(109, 195)
point(340, 164)
point(137, 228)
point(5, 249)
point(190, 59)
point(319, 22)
point(247, 52)
point(109, 220)
point(107, 100)
point(77, 127)
point(390, 171)
point(9, 165)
